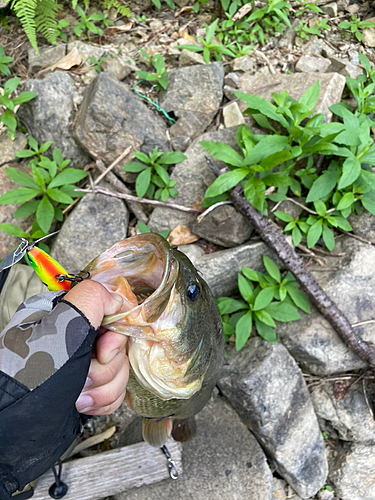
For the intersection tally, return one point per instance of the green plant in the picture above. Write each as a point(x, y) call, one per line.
point(354, 25)
point(170, 4)
point(45, 193)
point(326, 486)
point(8, 117)
point(273, 17)
point(198, 4)
point(363, 87)
point(86, 23)
point(209, 46)
point(4, 61)
point(59, 30)
point(160, 78)
point(274, 297)
point(143, 229)
point(120, 8)
point(307, 6)
point(304, 31)
point(97, 65)
point(153, 173)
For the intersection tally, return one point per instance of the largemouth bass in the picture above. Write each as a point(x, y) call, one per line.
point(175, 344)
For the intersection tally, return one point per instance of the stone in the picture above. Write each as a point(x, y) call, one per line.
point(97, 223)
point(188, 58)
point(326, 495)
point(7, 242)
point(229, 92)
point(349, 417)
point(368, 35)
point(48, 56)
point(9, 148)
point(223, 460)
point(233, 80)
point(344, 67)
point(182, 3)
point(312, 341)
point(352, 472)
point(331, 88)
point(224, 226)
point(232, 115)
point(119, 67)
point(265, 386)
point(330, 9)
point(243, 63)
point(156, 24)
point(310, 64)
point(89, 76)
point(180, 143)
point(48, 117)
point(194, 94)
point(87, 50)
point(288, 37)
point(111, 118)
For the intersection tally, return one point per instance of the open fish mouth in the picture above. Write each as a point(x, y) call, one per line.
point(144, 272)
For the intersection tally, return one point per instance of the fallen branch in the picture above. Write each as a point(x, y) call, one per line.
point(273, 236)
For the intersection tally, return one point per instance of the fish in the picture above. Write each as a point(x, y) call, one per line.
point(175, 340)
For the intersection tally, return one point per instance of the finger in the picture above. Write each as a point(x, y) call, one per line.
point(100, 374)
point(107, 410)
point(108, 345)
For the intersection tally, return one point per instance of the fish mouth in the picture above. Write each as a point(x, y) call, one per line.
point(143, 271)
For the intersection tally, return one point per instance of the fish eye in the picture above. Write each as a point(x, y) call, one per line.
point(193, 292)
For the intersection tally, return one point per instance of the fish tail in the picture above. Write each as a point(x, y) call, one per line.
point(156, 433)
point(184, 429)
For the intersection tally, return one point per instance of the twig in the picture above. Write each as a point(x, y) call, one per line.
point(211, 208)
point(268, 62)
point(302, 206)
point(139, 200)
point(366, 398)
point(357, 237)
point(311, 254)
point(361, 323)
point(112, 165)
point(93, 441)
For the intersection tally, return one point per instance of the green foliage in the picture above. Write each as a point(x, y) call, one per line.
point(303, 31)
point(59, 30)
point(266, 297)
point(143, 229)
point(4, 61)
point(209, 47)
point(354, 25)
point(8, 117)
point(198, 4)
point(85, 24)
point(170, 4)
point(363, 87)
point(120, 8)
point(307, 6)
point(45, 193)
point(153, 179)
point(160, 78)
point(97, 65)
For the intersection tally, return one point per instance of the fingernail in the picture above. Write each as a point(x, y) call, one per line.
point(88, 383)
point(84, 402)
point(111, 355)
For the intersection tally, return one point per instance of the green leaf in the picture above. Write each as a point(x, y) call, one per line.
point(135, 166)
point(171, 158)
point(343, 223)
point(350, 172)
point(210, 31)
point(368, 204)
point(68, 176)
point(314, 233)
point(263, 106)
point(45, 214)
point(346, 201)
point(263, 298)
point(38, 176)
point(25, 153)
point(284, 216)
point(18, 195)
point(296, 236)
point(251, 274)
point(328, 238)
point(266, 332)
point(266, 147)
point(254, 191)
point(271, 268)
point(226, 181)
point(243, 330)
point(57, 156)
point(320, 208)
point(59, 196)
point(24, 97)
point(278, 179)
point(311, 96)
point(223, 152)
point(299, 298)
point(142, 182)
point(283, 312)
point(11, 85)
point(26, 209)
point(245, 287)
point(43, 148)
point(227, 305)
point(8, 119)
point(143, 228)
point(265, 318)
point(13, 230)
point(323, 185)
point(21, 178)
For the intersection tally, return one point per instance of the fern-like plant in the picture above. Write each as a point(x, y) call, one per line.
point(120, 7)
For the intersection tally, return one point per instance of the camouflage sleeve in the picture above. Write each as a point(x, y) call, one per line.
point(43, 334)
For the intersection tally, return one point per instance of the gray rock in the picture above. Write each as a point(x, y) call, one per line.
point(352, 472)
point(368, 35)
point(180, 143)
point(229, 92)
point(89, 76)
point(86, 50)
point(244, 63)
point(288, 37)
point(48, 56)
point(119, 67)
point(194, 94)
point(48, 116)
point(331, 88)
point(111, 118)
point(266, 388)
point(312, 341)
point(9, 148)
point(223, 461)
point(232, 115)
point(344, 67)
point(188, 58)
point(310, 64)
point(326, 495)
point(349, 417)
point(97, 223)
point(233, 80)
point(363, 225)
point(223, 226)
point(330, 9)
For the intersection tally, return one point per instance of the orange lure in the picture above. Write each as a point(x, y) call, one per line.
point(47, 268)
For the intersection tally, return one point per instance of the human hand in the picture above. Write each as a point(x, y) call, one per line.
point(108, 375)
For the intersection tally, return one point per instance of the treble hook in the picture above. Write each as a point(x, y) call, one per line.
point(173, 471)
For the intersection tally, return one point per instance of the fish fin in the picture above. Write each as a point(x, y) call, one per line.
point(184, 430)
point(156, 433)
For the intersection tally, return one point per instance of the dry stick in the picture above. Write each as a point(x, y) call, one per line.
point(120, 186)
point(112, 165)
point(274, 238)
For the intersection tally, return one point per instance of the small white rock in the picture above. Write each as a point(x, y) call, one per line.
point(232, 115)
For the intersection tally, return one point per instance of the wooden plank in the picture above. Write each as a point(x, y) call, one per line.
point(112, 472)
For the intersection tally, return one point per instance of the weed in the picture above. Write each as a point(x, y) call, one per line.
point(143, 229)
point(4, 61)
point(303, 31)
point(354, 25)
point(97, 65)
point(85, 24)
point(59, 30)
point(160, 78)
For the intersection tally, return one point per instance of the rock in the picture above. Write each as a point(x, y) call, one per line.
point(9, 148)
point(156, 24)
point(86, 50)
point(188, 58)
point(363, 225)
point(349, 417)
point(288, 37)
point(3, 3)
point(368, 35)
point(224, 226)
point(265, 386)
point(7, 242)
point(182, 3)
point(344, 67)
point(352, 472)
point(229, 92)
point(232, 115)
point(194, 94)
point(330, 9)
point(233, 80)
point(119, 67)
point(243, 63)
point(331, 88)
point(222, 461)
point(180, 143)
point(48, 56)
point(310, 64)
point(326, 495)
point(89, 76)
point(281, 488)
point(111, 118)
point(97, 223)
point(312, 341)
point(49, 116)
point(291, 208)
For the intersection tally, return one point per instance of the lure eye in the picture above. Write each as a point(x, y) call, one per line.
point(193, 292)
